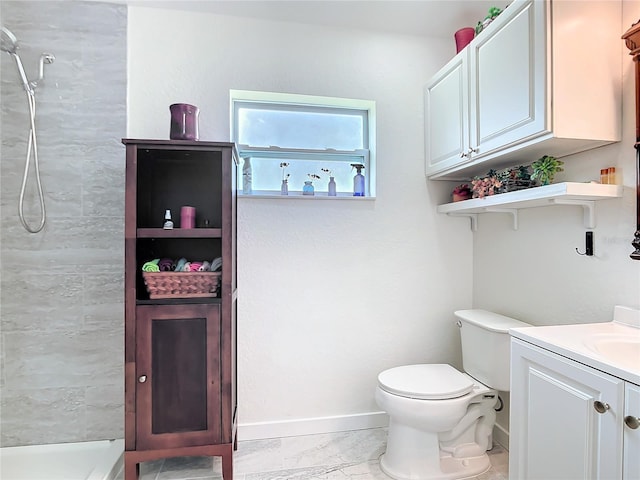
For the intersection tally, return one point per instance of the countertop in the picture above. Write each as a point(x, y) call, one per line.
point(573, 342)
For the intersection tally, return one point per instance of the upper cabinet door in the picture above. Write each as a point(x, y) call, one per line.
point(507, 79)
point(446, 106)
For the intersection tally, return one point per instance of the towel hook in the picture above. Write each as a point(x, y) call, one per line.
point(588, 238)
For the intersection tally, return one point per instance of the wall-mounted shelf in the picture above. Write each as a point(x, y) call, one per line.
point(567, 193)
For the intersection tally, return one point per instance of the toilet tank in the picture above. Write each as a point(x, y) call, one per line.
point(486, 346)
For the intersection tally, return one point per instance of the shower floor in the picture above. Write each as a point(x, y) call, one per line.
point(64, 461)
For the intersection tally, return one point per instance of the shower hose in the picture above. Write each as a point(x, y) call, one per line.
point(32, 147)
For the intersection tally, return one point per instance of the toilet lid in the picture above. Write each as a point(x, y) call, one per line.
point(425, 382)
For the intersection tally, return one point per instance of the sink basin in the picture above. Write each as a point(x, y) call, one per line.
point(620, 349)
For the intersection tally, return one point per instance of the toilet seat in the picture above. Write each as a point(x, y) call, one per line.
point(425, 382)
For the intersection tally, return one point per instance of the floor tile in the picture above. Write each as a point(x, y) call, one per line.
point(332, 456)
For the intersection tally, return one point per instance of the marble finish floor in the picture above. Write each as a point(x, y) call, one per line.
point(332, 456)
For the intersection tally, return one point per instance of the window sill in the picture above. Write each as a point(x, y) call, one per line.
point(299, 196)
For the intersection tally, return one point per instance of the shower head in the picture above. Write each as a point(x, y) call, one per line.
point(9, 41)
point(10, 45)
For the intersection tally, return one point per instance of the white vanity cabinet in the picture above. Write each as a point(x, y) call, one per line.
point(568, 419)
point(631, 456)
point(543, 78)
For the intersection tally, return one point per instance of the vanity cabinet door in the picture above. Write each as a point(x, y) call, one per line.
point(566, 418)
point(631, 468)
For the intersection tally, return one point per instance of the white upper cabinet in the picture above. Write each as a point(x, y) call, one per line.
point(544, 78)
point(447, 120)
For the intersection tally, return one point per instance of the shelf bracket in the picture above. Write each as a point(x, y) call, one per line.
point(588, 206)
point(472, 216)
point(512, 211)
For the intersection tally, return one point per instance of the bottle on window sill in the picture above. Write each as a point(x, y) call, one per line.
point(284, 188)
point(308, 188)
point(358, 180)
point(332, 187)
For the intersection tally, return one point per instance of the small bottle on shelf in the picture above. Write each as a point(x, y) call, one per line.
point(168, 223)
point(604, 176)
point(612, 180)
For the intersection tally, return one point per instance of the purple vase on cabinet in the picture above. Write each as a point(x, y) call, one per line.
point(184, 122)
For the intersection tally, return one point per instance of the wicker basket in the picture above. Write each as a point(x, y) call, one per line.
point(181, 284)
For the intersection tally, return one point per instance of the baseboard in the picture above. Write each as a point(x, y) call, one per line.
point(311, 426)
point(501, 436)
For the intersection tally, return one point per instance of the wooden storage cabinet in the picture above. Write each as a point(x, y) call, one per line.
point(180, 352)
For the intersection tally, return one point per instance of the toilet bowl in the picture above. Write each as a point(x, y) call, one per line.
point(420, 414)
point(441, 419)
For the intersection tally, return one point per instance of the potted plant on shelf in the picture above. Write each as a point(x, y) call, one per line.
point(461, 192)
point(545, 168)
point(493, 13)
point(516, 178)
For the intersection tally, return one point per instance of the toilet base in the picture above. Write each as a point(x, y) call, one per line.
point(451, 468)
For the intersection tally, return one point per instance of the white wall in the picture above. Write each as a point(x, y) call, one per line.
point(330, 292)
point(534, 274)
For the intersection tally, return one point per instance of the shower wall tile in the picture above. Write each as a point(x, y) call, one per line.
point(104, 302)
point(62, 289)
point(91, 242)
point(41, 302)
point(48, 415)
point(62, 359)
point(104, 411)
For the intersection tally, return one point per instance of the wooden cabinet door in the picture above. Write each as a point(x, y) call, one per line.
point(178, 376)
point(631, 456)
point(508, 79)
point(555, 431)
point(446, 123)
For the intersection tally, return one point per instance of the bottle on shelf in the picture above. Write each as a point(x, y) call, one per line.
point(604, 176)
point(168, 223)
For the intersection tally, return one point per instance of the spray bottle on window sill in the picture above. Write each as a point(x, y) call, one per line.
point(358, 180)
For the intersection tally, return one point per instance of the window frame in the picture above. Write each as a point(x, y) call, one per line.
point(271, 100)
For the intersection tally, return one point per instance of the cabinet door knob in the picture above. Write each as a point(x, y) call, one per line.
point(472, 150)
point(142, 378)
point(462, 155)
point(632, 422)
point(601, 407)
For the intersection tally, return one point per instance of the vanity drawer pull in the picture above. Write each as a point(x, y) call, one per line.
point(632, 422)
point(601, 407)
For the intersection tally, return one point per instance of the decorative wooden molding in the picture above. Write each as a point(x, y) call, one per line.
point(632, 41)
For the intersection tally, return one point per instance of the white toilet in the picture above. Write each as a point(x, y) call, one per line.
point(441, 419)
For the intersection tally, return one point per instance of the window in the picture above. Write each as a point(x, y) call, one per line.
point(311, 135)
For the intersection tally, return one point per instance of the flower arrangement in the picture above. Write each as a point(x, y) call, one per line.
point(313, 176)
point(327, 171)
point(461, 192)
point(487, 185)
point(285, 175)
point(545, 168)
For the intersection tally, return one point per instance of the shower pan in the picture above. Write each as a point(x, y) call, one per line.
point(10, 45)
